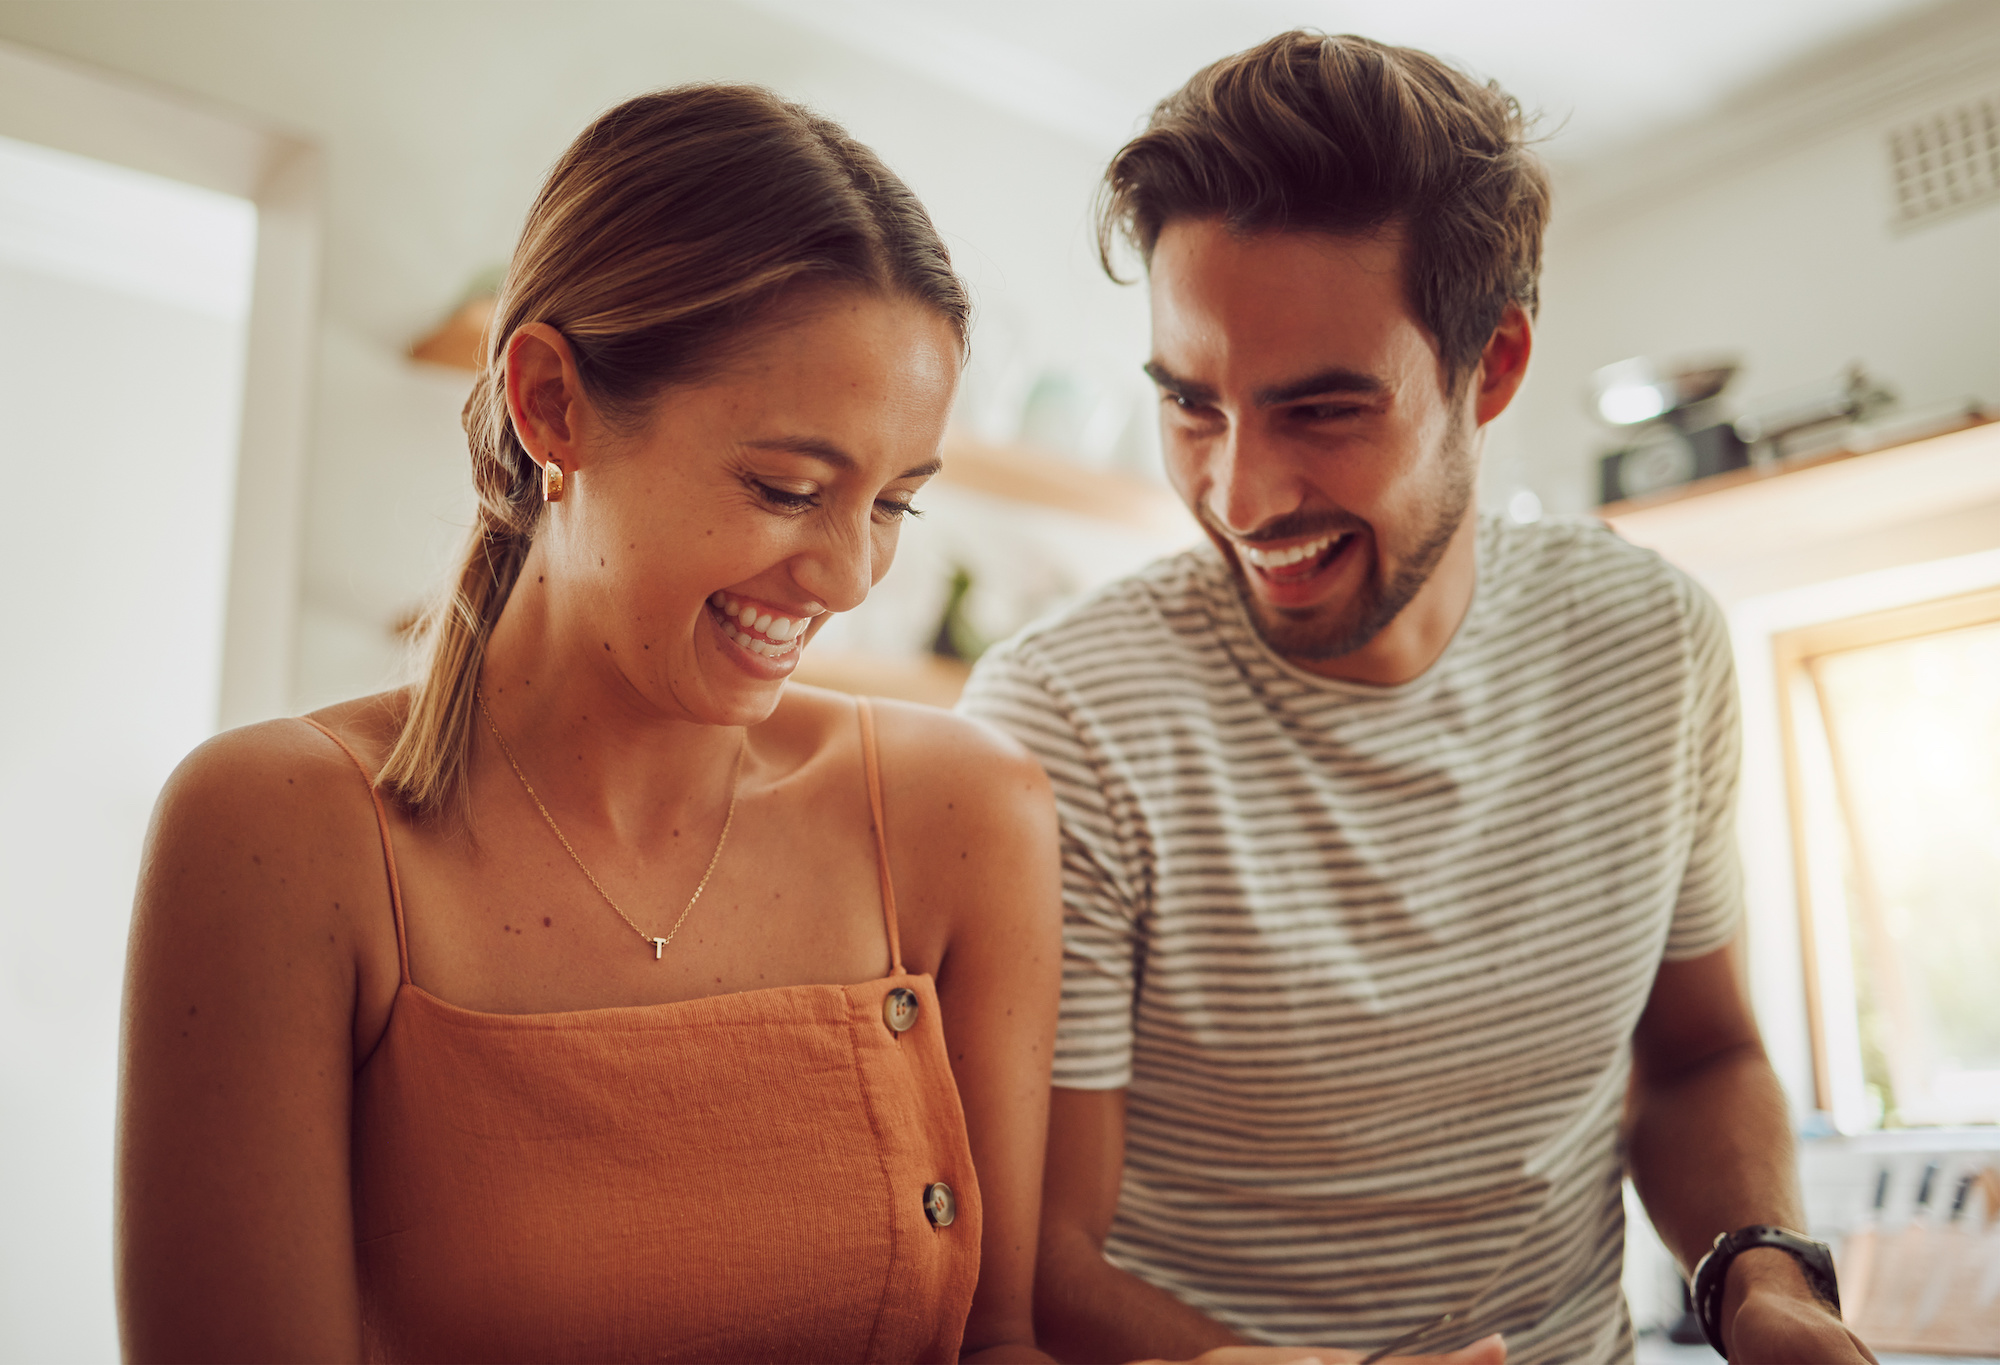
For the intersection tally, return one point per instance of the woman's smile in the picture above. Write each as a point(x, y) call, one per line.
point(764, 638)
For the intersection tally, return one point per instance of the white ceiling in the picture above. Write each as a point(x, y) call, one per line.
point(1600, 72)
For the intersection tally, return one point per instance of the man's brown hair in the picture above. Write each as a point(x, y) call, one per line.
point(1344, 135)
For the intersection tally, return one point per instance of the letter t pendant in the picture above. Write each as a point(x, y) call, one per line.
point(659, 946)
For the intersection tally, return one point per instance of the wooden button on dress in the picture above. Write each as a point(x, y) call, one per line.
point(939, 1205)
point(899, 1009)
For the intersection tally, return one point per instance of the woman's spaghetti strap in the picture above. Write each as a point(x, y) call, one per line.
point(389, 852)
point(874, 773)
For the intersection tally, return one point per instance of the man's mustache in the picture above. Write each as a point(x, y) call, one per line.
point(1291, 526)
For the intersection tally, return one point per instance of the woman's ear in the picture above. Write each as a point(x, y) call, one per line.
point(544, 394)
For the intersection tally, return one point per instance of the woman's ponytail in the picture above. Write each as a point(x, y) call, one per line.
point(426, 770)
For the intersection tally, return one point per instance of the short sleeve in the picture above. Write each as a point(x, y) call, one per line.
point(1709, 910)
point(1101, 941)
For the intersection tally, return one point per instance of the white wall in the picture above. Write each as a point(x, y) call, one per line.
point(121, 366)
point(437, 121)
point(1764, 229)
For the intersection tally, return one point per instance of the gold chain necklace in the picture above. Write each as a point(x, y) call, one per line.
point(659, 944)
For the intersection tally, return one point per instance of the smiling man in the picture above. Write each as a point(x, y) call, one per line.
point(1402, 900)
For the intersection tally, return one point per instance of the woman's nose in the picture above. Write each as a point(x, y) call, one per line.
point(838, 570)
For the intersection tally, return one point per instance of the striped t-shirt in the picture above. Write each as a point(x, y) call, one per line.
point(1367, 960)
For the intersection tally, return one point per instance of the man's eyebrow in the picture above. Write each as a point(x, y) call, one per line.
point(1174, 384)
point(1335, 380)
point(826, 452)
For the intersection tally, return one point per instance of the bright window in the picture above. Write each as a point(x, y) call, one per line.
point(1893, 736)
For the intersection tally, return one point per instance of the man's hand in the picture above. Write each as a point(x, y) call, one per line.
point(1770, 1316)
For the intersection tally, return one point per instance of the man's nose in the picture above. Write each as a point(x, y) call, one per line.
point(1250, 483)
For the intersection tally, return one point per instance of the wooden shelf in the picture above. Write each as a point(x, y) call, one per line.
point(460, 342)
point(1736, 478)
point(1832, 504)
point(1024, 474)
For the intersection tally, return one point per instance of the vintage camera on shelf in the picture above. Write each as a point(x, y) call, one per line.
point(1677, 430)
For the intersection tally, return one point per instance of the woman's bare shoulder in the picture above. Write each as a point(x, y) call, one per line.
point(942, 771)
point(956, 750)
point(923, 748)
point(279, 769)
point(272, 814)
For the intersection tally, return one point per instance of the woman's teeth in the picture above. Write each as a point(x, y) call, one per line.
point(1278, 559)
point(762, 632)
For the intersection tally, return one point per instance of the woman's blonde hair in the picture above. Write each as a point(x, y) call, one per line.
point(666, 233)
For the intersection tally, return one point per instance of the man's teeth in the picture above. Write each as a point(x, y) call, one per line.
point(1278, 559)
point(761, 632)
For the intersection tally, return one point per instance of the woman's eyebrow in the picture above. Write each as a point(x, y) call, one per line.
point(826, 452)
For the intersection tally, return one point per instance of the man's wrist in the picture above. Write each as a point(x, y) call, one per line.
point(1766, 1270)
point(1765, 1264)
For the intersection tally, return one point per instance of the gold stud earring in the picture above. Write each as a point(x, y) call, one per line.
point(552, 480)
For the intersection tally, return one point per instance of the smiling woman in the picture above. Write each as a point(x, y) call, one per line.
point(399, 1083)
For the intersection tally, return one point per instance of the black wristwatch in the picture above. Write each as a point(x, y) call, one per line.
point(1712, 1274)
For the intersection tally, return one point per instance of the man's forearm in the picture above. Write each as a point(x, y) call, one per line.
point(1088, 1310)
point(1710, 1148)
point(1710, 1151)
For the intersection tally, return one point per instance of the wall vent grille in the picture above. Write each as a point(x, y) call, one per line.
point(1946, 162)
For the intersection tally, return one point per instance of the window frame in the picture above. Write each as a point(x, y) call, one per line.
point(1794, 652)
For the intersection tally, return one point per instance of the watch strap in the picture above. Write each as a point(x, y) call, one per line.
point(1711, 1275)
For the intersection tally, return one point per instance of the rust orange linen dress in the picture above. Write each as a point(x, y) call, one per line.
point(737, 1178)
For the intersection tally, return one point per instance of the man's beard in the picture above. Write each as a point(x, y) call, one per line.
point(1312, 636)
